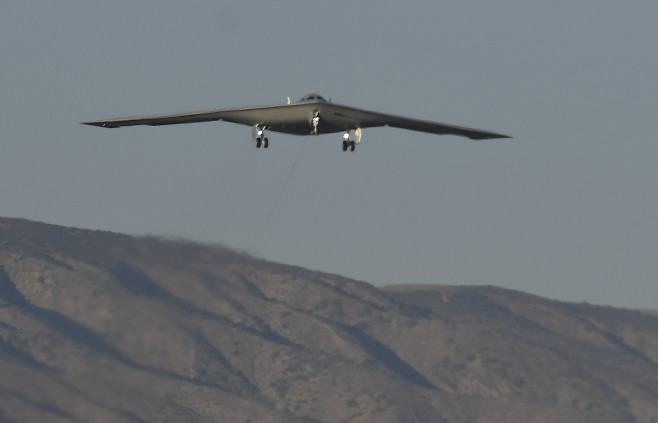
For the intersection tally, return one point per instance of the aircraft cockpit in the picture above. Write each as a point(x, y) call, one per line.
point(313, 97)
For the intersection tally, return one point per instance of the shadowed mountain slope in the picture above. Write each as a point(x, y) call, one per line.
point(97, 326)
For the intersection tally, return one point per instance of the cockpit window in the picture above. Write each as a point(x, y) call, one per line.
point(313, 97)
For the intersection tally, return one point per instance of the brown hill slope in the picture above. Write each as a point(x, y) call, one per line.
point(96, 326)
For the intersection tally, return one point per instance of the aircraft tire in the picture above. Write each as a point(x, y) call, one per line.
point(266, 142)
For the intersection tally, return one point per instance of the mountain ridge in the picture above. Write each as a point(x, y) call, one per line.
point(101, 326)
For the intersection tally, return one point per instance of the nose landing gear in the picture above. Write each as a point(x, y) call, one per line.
point(315, 122)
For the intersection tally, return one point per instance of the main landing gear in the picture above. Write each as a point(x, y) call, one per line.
point(258, 133)
point(350, 143)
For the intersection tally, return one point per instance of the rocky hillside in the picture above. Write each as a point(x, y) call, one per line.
point(97, 326)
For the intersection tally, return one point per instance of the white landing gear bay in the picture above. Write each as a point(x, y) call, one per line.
point(312, 115)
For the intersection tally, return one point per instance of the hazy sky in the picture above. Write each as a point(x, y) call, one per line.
point(568, 209)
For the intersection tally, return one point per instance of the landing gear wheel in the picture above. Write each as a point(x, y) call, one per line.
point(344, 145)
point(266, 142)
point(258, 142)
point(352, 145)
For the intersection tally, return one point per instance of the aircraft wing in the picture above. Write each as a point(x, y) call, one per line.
point(365, 119)
point(296, 118)
point(243, 115)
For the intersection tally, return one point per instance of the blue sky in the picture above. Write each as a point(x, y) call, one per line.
point(567, 209)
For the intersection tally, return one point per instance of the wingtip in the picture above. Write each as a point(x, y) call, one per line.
point(490, 137)
point(500, 136)
point(95, 123)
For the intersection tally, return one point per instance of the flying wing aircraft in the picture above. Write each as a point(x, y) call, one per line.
point(312, 115)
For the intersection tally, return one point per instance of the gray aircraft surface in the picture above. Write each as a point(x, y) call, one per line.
point(312, 115)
